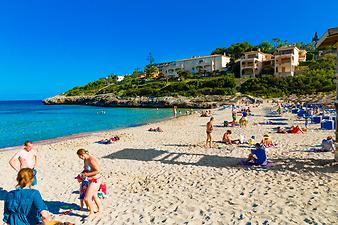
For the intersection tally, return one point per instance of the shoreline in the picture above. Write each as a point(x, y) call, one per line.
point(169, 177)
point(88, 134)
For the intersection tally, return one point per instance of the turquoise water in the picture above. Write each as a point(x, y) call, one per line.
point(32, 120)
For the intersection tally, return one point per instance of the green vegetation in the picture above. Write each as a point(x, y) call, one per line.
point(93, 87)
point(319, 77)
point(131, 86)
point(312, 76)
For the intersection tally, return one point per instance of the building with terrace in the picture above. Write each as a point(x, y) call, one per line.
point(194, 65)
point(251, 64)
point(287, 58)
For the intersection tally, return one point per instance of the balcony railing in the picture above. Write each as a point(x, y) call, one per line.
point(249, 65)
point(283, 62)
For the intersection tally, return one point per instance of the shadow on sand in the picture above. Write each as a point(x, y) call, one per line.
point(177, 158)
point(56, 207)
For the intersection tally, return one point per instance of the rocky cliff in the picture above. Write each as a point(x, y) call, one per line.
point(108, 100)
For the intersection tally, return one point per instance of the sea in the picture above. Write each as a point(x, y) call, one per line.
point(32, 120)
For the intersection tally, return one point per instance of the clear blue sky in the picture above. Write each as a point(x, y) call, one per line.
point(50, 46)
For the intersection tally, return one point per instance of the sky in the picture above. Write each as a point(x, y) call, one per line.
point(49, 46)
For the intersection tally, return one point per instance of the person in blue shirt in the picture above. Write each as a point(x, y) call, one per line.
point(258, 156)
point(24, 206)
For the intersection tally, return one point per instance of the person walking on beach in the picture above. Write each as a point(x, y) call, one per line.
point(175, 111)
point(27, 158)
point(91, 174)
point(210, 127)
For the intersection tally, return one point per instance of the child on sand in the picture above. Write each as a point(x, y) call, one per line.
point(27, 158)
point(209, 130)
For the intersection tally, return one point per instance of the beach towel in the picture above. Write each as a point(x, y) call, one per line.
point(317, 150)
point(272, 123)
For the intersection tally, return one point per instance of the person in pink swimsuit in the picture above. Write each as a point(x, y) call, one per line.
point(27, 158)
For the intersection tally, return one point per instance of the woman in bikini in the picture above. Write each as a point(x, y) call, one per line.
point(92, 173)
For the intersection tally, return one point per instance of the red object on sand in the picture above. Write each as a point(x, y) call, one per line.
point(103, 188)
point(66, 212)
point(78, 178)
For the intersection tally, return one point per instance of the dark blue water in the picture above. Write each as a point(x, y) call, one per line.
point(32, 120)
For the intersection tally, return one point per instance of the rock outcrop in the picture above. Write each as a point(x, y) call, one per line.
point(109, 100)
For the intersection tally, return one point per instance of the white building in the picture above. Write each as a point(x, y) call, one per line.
point(120, 78)
point(194, 65)
point(287, 58)
point(252, 63)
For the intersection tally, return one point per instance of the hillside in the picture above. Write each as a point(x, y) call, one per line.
point(313, 77)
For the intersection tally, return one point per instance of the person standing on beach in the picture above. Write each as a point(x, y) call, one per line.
point(175, 111)
point(234, 116)
point(27, 158)
point(210, 127)
point(91, 173)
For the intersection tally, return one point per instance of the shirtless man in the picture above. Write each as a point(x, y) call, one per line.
point(27, 158)
point(210, 127)
point(227, 138)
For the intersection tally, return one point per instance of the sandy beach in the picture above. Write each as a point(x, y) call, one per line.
point(171, 178)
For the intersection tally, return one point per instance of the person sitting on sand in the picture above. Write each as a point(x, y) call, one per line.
point(281, 130)
point(209, 130)
point(257, 156)
point(91, 172)
point(251, 141)
point(227, 138)
point(24, 206)
point(267, 141)
point(328, 145)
